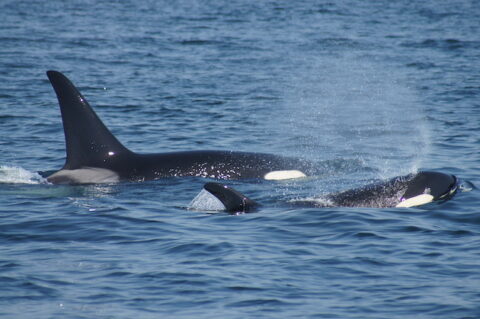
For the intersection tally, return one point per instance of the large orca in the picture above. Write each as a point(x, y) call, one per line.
point(94, 155)
point(404, 191)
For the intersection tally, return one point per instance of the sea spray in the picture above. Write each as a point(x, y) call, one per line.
point(19, 175)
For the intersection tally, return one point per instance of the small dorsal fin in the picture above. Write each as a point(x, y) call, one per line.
point(233, 200)
point(88, 140)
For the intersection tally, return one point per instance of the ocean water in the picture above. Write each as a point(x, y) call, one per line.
point(370, 90)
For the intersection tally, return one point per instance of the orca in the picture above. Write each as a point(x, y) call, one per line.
point(404, 191)
point(95, 155)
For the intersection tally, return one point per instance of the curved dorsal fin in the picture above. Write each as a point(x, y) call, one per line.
point(88, 140)
point(233, 200)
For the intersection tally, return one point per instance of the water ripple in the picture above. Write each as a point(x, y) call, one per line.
point(368, 89)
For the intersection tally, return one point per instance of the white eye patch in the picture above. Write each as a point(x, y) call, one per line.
point(281, 175)
point(416, 201)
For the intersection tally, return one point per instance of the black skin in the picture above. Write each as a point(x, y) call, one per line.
point(89, 143)
point(383, 194)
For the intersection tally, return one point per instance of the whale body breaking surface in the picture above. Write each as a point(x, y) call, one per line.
point(95, 155)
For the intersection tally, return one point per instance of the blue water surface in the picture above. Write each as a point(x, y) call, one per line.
point(368, 89)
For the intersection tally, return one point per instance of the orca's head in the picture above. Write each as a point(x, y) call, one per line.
point(428, 186)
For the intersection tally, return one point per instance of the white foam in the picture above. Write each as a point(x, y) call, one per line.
point(314, 201)
point(206, 201)
point(18, 175)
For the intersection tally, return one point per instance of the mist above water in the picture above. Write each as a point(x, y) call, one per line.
point(346, 108)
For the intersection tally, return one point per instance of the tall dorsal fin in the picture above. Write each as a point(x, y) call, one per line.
point(88, 140)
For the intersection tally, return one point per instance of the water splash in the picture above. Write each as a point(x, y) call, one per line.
point(18, 175)
point(206, 202)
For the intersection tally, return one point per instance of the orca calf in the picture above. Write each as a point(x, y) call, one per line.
point(404, 191)
point(94, 155)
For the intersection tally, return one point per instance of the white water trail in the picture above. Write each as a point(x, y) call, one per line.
point(19, 175)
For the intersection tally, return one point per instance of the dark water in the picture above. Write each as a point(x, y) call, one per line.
point(369, 89)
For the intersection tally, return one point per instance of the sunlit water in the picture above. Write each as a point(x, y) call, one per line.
point(368, 90)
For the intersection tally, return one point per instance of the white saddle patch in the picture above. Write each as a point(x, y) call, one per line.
point(281, 175)
point(416, 201)
point(86, 175)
